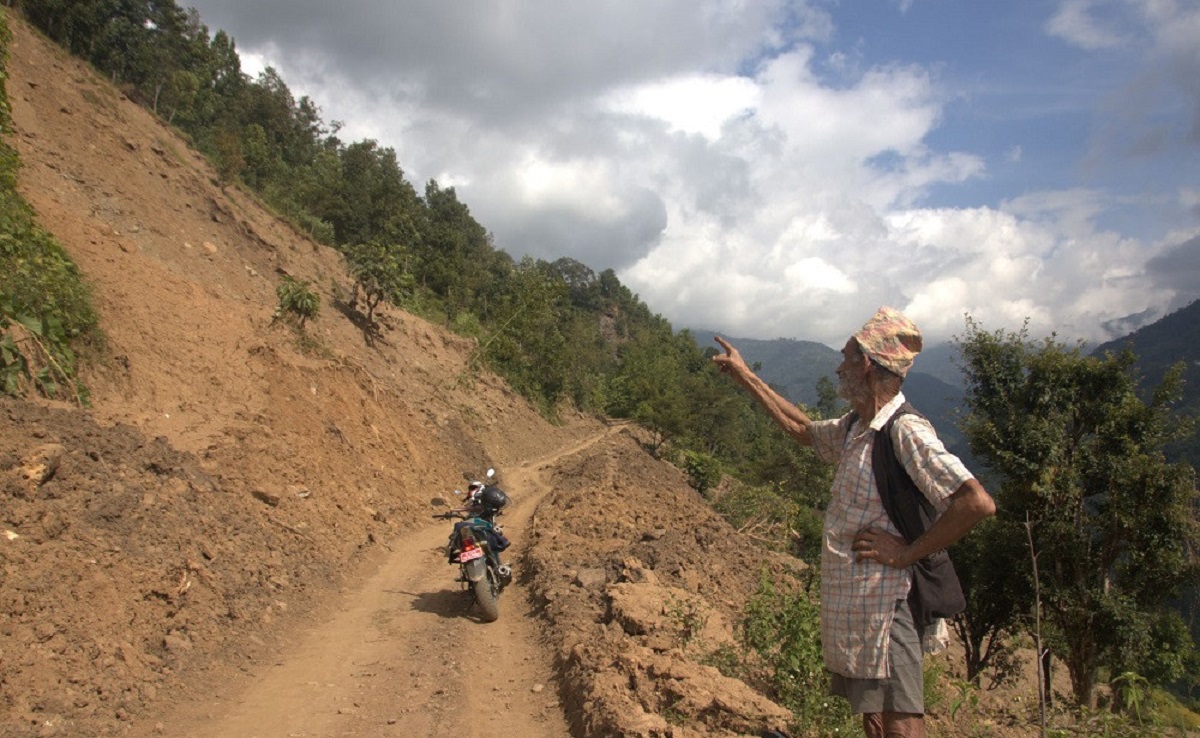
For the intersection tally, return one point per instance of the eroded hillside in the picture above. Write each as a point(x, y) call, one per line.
point(223, 478)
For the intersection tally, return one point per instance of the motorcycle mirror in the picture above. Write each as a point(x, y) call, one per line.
point(439, 502)
point(491, 472)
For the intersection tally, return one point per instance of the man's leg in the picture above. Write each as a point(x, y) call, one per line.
point(893, 725)
point(892, 707)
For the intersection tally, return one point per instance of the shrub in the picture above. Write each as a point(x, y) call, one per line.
point(703, 470)
point(297, 301)
point(45, 307)
point(782, 625)
point(762, 513)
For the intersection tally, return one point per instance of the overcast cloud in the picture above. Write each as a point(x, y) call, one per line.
point(778, 168)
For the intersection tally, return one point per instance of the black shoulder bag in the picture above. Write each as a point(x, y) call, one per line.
point(936, 591)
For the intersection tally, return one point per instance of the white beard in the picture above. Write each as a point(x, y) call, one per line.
point(850, 389)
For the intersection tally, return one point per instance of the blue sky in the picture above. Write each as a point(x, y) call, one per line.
point(781, 168)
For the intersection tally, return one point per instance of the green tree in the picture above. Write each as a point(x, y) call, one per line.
point(455, 253)
point(649, 387)
point(525, 343)
point(179, 93)
point(1074, 448)
point(380, 273)
point(997, 597)
point(368, 198)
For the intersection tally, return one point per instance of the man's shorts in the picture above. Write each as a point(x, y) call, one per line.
point(904, 688)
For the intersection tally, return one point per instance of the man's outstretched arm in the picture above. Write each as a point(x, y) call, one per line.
point(789, 417)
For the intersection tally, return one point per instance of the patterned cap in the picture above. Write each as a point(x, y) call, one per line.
point(891, 339)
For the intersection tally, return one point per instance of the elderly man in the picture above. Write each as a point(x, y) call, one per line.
point(872, 643)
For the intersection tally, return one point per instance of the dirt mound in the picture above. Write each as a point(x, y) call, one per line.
point(662, 584)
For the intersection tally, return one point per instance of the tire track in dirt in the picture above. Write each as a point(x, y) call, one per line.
point(405, 654)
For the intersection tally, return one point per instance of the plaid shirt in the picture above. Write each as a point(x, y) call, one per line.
point(858, 599)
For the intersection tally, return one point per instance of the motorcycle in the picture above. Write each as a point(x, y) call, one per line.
point(476, 542)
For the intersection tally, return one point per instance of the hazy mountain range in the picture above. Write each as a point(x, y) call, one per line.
point(1161, 344)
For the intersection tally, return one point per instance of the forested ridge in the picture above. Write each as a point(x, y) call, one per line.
point(565, 336)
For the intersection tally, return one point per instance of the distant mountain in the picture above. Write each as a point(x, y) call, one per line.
point(941, 403)
point(941, 360)
point(791, 366)
point(1161, 344)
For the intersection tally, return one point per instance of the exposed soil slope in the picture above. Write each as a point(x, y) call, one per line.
point(224, 483)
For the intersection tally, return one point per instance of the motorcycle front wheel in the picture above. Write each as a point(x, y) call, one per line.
point(487, 594)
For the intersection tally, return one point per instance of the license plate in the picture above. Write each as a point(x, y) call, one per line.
point(470, 555)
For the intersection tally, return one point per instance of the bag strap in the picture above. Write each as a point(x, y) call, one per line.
point(910, 511)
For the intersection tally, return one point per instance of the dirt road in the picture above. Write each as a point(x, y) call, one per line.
point(404, 654)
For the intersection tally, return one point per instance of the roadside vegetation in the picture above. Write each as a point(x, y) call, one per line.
point(46, 315)
point(1087, 499)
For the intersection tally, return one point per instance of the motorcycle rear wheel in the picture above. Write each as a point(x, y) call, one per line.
point(487, 594)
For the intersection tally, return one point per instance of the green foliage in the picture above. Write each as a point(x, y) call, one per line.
point(967, 695)
point(1090, 723)
point(381, 272)
point(467, 324)
point(45, 307)
point(1078, 452)
point(1169, 712)
point(1130, 691)
point(227, 154)
point(755, 509)
point(782, 626)
point(673, 715)
point(703, 471)
point(14, 367)
point(727, 659)
point(997, 597)
point(688, 617)
point(179, 92)
point(297, 301)
point(962, 705)
point(5, 111)
point(525, 342)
